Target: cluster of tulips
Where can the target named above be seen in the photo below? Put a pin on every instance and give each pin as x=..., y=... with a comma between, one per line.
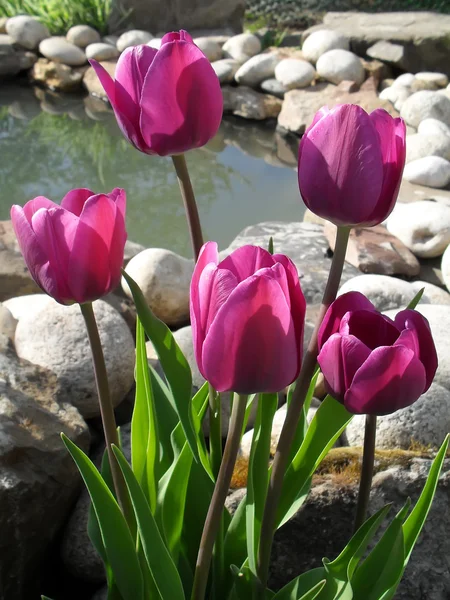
x=157, y=538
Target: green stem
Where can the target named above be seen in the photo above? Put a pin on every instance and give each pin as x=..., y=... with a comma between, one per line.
x=215, y=430
x=214, y=516
x=368, y=460
x=294, y=411
x=190, y=205
x=106, y=410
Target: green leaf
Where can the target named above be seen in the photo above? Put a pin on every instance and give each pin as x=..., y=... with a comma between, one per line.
x=174, y=364
x=144, y=431
x=258, y=473
x=302, y=426
x=306, y=586
x=270, y=245
x=246, y=585
x=119, y=545
x=159, y=560
x=327, y=425
x=417, y=298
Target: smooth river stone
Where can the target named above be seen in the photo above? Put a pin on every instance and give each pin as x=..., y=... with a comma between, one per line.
x=58, y=49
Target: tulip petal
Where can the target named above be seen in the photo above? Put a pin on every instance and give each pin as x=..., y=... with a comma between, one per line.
x=412, y=320
x=349, y=302
x=131, y=70
x=251, y=345
x=390, y=379
x=119, y=196
x=75, y=199
x=322, y=112
x=246, y=260
x=340, y=169
x=371, y=327
x=34, y=205
x=118, y=239
x=330, y=363
x=176, y=36
x=181, y=101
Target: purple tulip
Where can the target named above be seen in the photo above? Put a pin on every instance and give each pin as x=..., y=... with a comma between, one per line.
x=350, y=165
x=247, y=315
x=371, y=364
x=74, y=251
x=166, y=101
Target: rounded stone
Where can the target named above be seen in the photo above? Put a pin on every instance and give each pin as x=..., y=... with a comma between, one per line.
x=100, y=51
x=241, y=47
x=256, y=69
x=420, y=145
x=322, y=41
x=274, y=87
x=210, y=48
x=445, y=267
x=225, y=69
x=426, y=422
x=26, y=31
x=424, y=227
x=58, y=49
x=27, y=306
x=294, y=73
x=155, y=43
x=432, y=171
x=395, y=94
x=83, y=35
x=135, y=37
x=383, y=291
x=340, y=65
x=164, y=278
x=8, y=323
x=433, y=127
x=438, y=79
x=55, y=338
x=404, y=80
x=426, y=105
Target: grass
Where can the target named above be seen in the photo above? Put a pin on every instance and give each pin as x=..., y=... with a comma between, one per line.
x=60, y=15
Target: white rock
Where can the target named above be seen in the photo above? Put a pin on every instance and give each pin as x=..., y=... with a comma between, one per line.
x=439, y=79
x=155, y=43
x=427, y=422
x=433, y=127
x=274, y=87
x=424, y=227
x=294, y=73
x=420, y=145
x=210, y=48
x=242, y=47
x=101, y=51
x=26, y=31
x=110, y=39
x=60, y=50
x=322, y=41
x=8, y=323
x=55, y=338
x=394, y=94
x=24, y=306
x=225, y=69
x=426, y=105
x=445, y=267
x=433, y=293
x=164, y=278
x=384, y=292
x=256, y=69
x=433, y=171
x=340, y=65
x=135, y=37
x=404, y=80
x=82, y=36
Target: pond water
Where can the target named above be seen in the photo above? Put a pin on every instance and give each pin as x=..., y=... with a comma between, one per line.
x=51, y=143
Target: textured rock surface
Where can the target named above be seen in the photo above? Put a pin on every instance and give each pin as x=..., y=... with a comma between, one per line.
x=39, y=479
x=7, y=322
x=92, y=83
x=426, y=105
x=55, y=338
x=420, y=145
x=57, y=76
x=225, y=69
x=210, y=48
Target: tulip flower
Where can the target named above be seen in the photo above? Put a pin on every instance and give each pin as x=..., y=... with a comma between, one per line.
x=166, y=101
x=371, y=363
x=247, y=315
x=74, y=251
x=350, y=165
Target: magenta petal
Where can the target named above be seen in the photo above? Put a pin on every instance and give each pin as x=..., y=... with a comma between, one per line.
x=251, y=345
x=118, y=195
x=75, y=199
x=390, y=379
x=351, y=301
x=340, y=170
x=34, y=205
x=181, y=102
x=176, y=36
x=412, y=320
x=371, y=327
x=246, y=260
x=132, y=68
x=330, y=363
x=354, y=354
x=117, y=244
x=105, y=79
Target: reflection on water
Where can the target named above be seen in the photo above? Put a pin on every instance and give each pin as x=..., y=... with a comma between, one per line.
x=50, y=144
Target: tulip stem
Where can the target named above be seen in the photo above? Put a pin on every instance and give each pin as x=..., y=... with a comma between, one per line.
x=215, y=430
x=368, y=460
x=106, y=409
x=214, y=516
x=280, y=462
x=190, y=205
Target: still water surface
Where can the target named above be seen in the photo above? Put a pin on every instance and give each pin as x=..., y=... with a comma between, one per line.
x=50, y=144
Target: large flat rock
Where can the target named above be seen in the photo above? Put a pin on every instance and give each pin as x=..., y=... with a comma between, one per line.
x=424, y=35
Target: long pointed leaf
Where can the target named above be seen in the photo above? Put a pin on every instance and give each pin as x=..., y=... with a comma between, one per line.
x=304, y=584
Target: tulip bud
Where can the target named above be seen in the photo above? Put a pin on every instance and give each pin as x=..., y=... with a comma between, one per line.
x=166, y=101
x=371, y=364
x=74, y=252
x=247, y=315
x=350, y=165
